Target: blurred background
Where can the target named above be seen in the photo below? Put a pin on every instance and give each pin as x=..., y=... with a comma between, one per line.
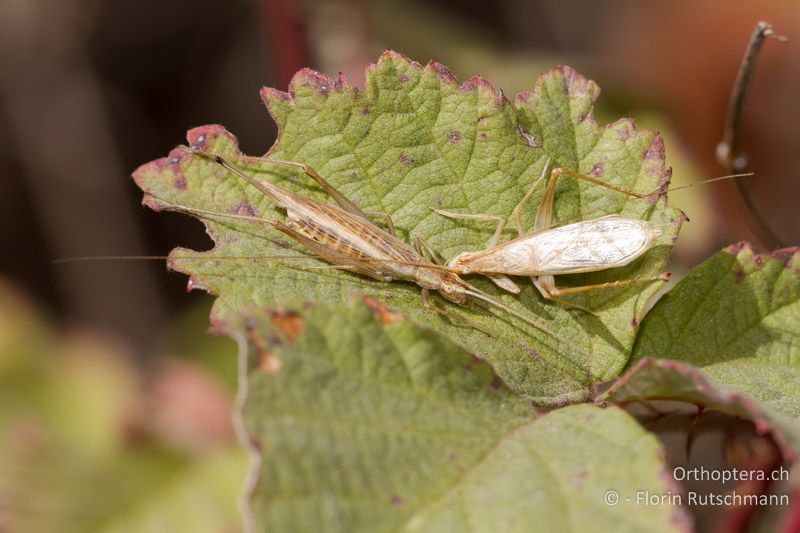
x=91, y=89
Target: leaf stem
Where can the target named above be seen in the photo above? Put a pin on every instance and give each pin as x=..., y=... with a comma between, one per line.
x=729, y=151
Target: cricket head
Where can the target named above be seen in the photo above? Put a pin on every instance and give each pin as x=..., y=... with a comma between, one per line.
x=453, y=288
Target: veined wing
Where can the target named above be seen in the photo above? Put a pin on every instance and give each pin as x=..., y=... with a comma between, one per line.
x=590, y=245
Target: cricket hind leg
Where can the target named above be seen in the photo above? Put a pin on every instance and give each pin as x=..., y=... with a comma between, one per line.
x=343, y=201
x=544, y=216
x=204, y=213
x=547, y=288
x=387, y=219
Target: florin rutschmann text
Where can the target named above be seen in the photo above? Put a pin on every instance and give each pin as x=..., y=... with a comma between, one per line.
x=694, y=498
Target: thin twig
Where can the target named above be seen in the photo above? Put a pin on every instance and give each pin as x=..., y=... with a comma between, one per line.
x=729, y=151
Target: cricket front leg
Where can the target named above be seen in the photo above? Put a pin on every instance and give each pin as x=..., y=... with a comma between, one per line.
x=427, y=303
x=425, y=250
x=500, y=220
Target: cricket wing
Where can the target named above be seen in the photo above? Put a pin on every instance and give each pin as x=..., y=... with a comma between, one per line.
x=352, y=263
x=591, y=245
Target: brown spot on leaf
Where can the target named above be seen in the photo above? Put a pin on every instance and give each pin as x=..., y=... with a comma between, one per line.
x=290, y=323
x=577, y=479
x=179, y=183
x=597, y=169
x=397, y=501
x=739, y=276
x=454, y=137
x=474, y=361
x=403, y=78
x=496, y=383
x=244, y=209
x=365, y=111
x=269, y=363
x=406, y=159
x=384, y=314
x=280, y=243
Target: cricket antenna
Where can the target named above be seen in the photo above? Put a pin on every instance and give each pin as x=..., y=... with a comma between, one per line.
x=479, y=294
x=711, y=180
x=109, y=258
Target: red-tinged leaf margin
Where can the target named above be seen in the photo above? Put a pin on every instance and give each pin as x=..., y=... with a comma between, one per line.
x=553, y=376
x=648, y=380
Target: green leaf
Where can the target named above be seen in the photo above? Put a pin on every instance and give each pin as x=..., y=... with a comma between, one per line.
x=659, y=379
x=74, y=456
x=365, y=421
x=196, y=497
x=413, y=140
x=737, y=317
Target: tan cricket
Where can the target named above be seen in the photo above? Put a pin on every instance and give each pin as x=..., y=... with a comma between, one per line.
x=585, y=246
x=348, y=239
